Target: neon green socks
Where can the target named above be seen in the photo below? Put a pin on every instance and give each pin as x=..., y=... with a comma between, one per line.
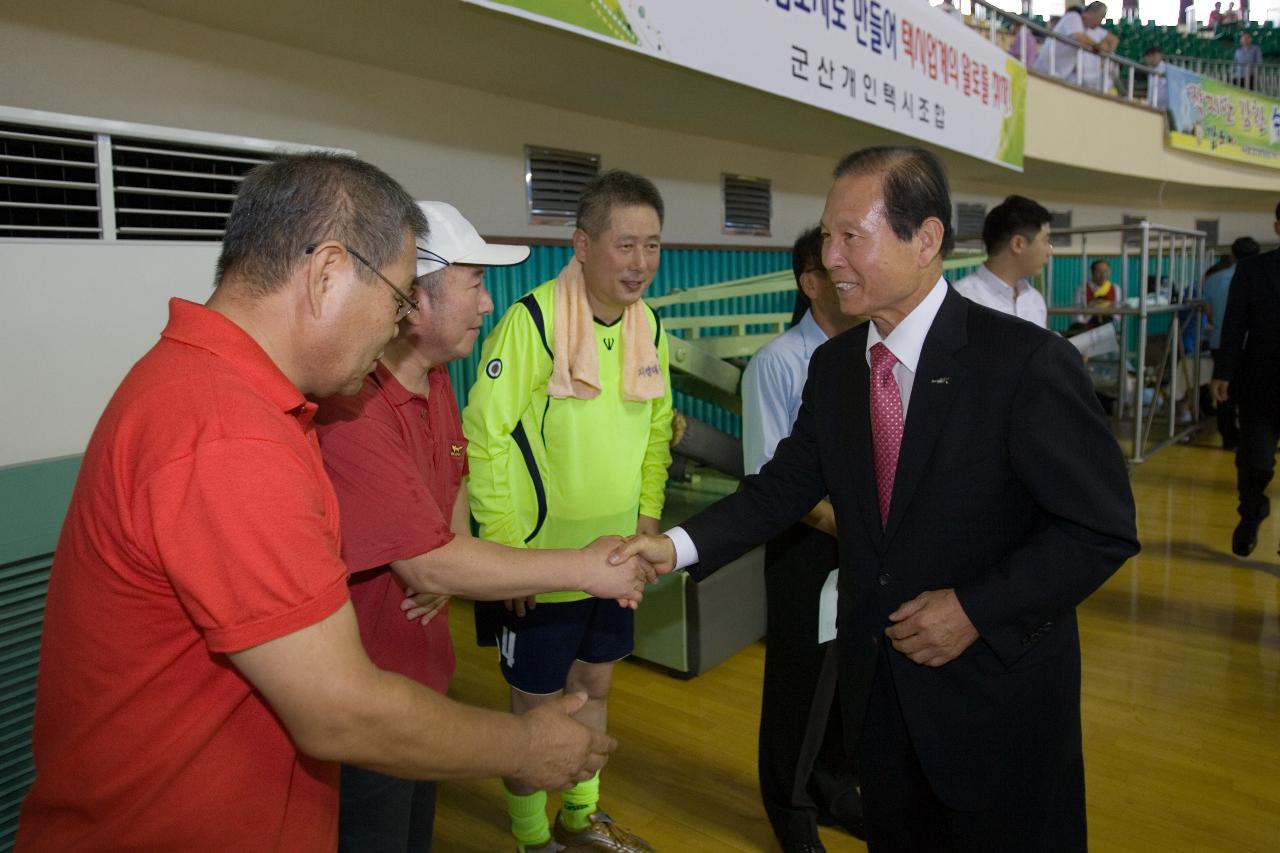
x=529, y=818
x=579, y=803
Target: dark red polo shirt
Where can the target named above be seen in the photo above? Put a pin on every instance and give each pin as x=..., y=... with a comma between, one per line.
x=202, y=523
x=396, y=460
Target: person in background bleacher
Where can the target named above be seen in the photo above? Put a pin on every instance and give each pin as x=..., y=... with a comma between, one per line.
x=1247, y=63
x=1216, y=287
x=1021, y=33
x=1231, y=16
x=1215, y=17
x=1157, y=84
x=1016, y=234
x=1083, y=26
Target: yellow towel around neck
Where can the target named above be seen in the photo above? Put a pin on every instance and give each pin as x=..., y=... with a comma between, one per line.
x=575, y=370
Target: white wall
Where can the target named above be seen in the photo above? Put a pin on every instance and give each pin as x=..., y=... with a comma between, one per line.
x=73, y=317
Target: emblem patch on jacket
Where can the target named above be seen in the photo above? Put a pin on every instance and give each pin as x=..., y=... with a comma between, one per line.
x=494, y=368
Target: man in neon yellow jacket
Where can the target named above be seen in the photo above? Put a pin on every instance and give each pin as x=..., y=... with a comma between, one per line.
x=569, y=427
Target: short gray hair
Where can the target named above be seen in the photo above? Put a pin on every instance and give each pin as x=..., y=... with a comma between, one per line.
x=429, y=284
x=298, y=200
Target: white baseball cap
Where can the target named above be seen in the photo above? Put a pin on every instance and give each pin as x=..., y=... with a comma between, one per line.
x=453, y=240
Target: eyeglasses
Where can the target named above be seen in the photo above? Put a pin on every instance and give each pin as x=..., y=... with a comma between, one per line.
x=405, y=304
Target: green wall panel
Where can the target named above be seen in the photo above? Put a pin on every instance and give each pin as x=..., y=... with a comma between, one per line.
x=33, y=501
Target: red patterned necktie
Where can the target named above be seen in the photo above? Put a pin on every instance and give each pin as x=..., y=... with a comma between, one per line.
x=886, y=424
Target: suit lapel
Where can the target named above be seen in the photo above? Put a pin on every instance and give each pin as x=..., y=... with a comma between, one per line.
x=938, y=379
x=855, y=420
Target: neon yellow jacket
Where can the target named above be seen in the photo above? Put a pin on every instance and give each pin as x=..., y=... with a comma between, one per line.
x=552, y=472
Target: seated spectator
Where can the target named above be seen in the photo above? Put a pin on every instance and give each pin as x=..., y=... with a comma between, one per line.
x=1099, y=290
x=1075, y=25
x=1247, y=63
x=1032, y=48
x=1215, y=17
x=1016, y=234
x=1157, y=85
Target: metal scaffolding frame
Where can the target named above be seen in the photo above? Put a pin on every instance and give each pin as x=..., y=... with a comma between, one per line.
x=1165, y=252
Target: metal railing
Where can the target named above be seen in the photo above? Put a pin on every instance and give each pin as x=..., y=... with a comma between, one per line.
x=1114, y=71
x=1172, y=255
x=1264, y=78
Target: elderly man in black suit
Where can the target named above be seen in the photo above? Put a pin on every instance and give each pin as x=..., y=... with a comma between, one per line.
x=1247, y=366
x=949, y=439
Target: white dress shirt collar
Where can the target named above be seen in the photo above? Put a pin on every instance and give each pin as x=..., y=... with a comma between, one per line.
x=998, y=286
x=812, y=333
x=907, y=338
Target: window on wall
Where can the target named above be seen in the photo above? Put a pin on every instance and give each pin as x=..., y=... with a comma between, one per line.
x=1061, y=219
x=747, y=204
x=554, y=179
x=969, y=220
x=74, y=177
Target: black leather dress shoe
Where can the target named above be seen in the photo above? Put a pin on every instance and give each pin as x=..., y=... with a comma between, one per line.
x=1245, y=537
x=846, y=812
x=804, y=847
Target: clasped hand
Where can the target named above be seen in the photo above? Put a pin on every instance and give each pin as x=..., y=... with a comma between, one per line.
x=931, y=629
x=606, y=572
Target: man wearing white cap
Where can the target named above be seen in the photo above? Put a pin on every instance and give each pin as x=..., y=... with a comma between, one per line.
x=396, y=457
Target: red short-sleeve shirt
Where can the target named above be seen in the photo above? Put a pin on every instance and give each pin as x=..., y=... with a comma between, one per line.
x=396, y=460
x=202, y=523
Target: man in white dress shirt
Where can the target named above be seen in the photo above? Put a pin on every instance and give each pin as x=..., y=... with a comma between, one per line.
x=805, y=778
x=1016, y=234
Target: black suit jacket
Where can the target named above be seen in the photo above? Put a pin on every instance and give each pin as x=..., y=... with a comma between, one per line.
x=1010, y=489
x=1249, y=354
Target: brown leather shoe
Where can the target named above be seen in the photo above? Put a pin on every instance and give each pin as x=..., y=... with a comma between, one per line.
x=601, y=834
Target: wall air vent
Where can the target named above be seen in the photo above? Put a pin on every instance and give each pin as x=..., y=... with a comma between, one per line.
x=748, y=205
x=969, y=220
x=74, y=177
x=1061, y=219
x=48, y=183
x=167, y=191
x=553, y=182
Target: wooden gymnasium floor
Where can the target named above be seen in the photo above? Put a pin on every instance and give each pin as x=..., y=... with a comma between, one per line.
x=1181, y=701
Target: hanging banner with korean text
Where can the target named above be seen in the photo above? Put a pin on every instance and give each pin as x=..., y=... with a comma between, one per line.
x=1219, y=120
x=897, y=64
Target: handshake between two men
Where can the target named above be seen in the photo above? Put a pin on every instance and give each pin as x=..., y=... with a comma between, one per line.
x=557, y=750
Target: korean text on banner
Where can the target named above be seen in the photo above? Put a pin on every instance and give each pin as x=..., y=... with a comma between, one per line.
x=896, y=64
x=1218, y=120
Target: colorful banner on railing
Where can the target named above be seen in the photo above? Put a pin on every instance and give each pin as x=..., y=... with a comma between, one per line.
x=1213, y=118
x=897, y=64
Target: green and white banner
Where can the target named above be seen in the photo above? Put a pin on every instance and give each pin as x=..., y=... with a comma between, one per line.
x=1213, y=118
x=897, y=64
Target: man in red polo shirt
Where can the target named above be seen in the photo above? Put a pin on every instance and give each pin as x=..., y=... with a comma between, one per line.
x=396, y=455
x=201, y=670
